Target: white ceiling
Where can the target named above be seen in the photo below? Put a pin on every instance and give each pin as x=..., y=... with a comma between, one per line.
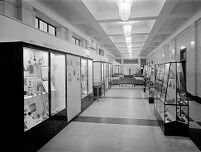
x=153, y=21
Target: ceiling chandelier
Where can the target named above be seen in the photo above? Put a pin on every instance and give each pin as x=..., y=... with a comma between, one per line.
x=127, y=30
x=125, y=13
x=124, y=9
x=128, y=40
x=129, y=46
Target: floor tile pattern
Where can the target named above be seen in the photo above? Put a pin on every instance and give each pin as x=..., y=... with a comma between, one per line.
x=121, y=104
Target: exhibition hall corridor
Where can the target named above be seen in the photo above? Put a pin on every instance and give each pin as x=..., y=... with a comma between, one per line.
x=121, y=121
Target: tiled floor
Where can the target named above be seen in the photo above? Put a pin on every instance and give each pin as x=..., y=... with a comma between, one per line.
x=105, y=136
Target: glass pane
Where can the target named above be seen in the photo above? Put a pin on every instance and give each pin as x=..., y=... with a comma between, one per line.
x=74, y=40
x=36, y=23
x=181, y=90
x=97, y=72
x=102, y=72
x=43, y=26
x=182, y=113
x=171, y=90
x=170, y=113
x=35, y=87
x=90, y=83
x=106, y=74
x=58, y=96
x=110, y=72
x=51, y=30
x=83, y=78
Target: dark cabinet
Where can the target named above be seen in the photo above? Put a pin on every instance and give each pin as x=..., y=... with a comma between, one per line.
x=34, y=77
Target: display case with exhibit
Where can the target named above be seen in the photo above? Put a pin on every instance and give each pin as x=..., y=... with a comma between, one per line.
x=35, y=77
x=84, y=78
x=171, y=102
x=110, y=75
x=58, y=82
x=106, y=75
x=149, y=82
x=98, y=73
x=86, y=83
x=117, y=69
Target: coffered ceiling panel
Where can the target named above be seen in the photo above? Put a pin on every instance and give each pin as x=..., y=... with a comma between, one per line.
x=153, y=21
x=116, y=28
x=108, y=9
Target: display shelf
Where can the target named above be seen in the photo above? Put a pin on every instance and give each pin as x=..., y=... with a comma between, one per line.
x=171, y=102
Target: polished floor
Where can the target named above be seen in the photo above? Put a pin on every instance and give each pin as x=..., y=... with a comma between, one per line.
x=122, y=121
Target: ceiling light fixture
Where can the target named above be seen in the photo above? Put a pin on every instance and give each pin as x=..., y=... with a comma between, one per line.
x=128, y=40
x=124, y=9
x=127, y=30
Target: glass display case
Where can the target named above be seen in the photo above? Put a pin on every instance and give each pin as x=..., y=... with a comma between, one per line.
x=117, y=69
x=84, y=78
x=30, y=77
x=149, y=75
x=102, y=72
x=98, y=87
x=90, y=79
x=87, y=96
x=97, y=71
x=106, y=75
x=58, y=81
x=36, y=101
x=110, y=75
x=171, y=102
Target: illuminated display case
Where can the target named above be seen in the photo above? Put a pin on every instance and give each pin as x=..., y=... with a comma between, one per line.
x=84, y=78
x=110, y=75
x=34, y=83
x=86, y=70
x=98, y=72
x=149, y=74
x=106, y=75
x=58, y=81
x=36, y=100
x=171, y=102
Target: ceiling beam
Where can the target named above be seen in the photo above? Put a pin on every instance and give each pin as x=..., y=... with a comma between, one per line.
x=130, y=19
x=122, y=42
x=131, y=35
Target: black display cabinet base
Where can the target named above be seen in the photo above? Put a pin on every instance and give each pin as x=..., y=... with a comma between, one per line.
x=39, y=135
x=110, y=85
x=87, y=101
x=174, y=128
x=151, y=100
x=95, y=91
x=195, y=136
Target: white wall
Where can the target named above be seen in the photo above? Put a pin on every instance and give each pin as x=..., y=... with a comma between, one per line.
x=187, y=36
x=198, y=60
x=184, y=40
x=133, y=67
x=13, y=30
